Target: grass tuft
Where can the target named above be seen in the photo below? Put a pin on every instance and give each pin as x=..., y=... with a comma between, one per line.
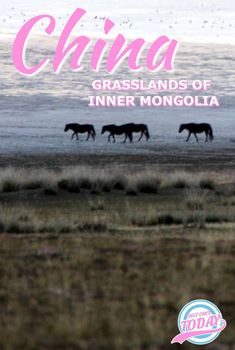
x=150, y=186
x=207, y=184
x=50, y=191
x=9, y=185
x=120, y=182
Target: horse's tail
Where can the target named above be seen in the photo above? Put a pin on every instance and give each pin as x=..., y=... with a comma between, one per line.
x=147, y=132
x=211, y=136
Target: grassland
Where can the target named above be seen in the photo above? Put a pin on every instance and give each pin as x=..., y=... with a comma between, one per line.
x=100, y=259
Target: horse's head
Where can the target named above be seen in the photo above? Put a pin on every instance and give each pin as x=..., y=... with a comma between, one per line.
x=181, y=128
x=108, y=128
x=66, y=128
x=103, y=130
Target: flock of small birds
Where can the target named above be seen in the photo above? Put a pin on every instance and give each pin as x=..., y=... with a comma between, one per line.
x=216, y=24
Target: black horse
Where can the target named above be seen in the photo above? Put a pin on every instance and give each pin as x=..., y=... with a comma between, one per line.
x=142, y=128
x=117, y=130
x=197, y=129
x=81, y=129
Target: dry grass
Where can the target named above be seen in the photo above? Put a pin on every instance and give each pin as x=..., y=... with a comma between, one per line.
x=93, y=200
x=12, y=179
x=22, y=220
x=84, y=212
x=83, y=292
x=114, y=281
x=75, y=179
x=195, y=199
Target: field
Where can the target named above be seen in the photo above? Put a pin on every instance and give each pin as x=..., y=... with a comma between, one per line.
x=119, y=291
x=96, y=257
x=103, y=243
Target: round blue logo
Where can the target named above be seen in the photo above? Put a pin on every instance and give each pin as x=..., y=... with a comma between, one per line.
x=200, y=322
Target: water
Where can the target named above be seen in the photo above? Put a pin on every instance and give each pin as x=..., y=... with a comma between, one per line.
x=34, y=110
x=210, y=21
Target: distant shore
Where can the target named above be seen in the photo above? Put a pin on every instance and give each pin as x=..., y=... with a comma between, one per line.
x=170, y=158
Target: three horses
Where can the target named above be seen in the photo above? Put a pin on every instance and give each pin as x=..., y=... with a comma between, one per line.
x=126, y=129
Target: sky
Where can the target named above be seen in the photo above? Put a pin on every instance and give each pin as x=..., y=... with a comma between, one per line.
x=189, y=20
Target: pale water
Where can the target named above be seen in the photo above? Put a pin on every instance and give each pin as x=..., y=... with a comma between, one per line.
x=34, y=110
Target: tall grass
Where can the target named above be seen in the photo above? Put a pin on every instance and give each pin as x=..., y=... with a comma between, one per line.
x=23, y=219
x=195, y=199
x=75, y=179
x=14, y=179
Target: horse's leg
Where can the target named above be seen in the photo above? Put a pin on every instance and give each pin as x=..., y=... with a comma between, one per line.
x=88, y=136
x=141, y=136
x=125, y=139
x=109, y=137
x=114, y=140
x=206, y=136
x=195, y=136
x=189, y=134
x=77, y=137
x=72, y=135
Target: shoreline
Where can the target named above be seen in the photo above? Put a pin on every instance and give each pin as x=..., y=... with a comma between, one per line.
x=169, y=159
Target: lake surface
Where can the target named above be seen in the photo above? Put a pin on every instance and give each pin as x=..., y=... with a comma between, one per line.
x=34, y=110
